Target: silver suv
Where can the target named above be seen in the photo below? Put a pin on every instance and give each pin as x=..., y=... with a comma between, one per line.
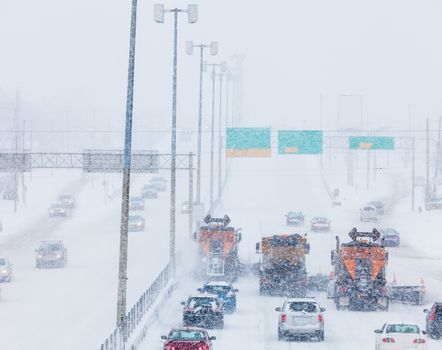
x=51, y=254
x=300, y=317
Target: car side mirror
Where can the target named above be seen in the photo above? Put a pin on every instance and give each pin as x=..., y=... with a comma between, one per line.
x=323, y=309
x=426, y=311
x=199, y=290
x=183, y=303
x=424, y=332
x=278, y=309
x=212, y=337
x=236, y=290
x=257, y=248
x=163, y=337
x=378, y=331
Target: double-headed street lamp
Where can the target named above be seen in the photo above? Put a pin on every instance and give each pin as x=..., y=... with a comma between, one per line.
x=192, y=17
x=223, y=68
x=213, y=51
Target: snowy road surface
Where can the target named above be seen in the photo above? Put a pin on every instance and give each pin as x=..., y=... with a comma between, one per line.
x=258, y=195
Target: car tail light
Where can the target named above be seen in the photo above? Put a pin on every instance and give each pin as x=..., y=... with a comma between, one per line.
x=432, y=315
x=419, y=341
x=283, y=318
x=170, y=347
x=320, y=318
x=203, y=347
x=388, y=340
x=188, y=309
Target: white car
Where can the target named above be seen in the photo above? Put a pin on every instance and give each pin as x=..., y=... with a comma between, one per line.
x=369, y=213
x=394, y=336
x=300, y=317
x=5, y=270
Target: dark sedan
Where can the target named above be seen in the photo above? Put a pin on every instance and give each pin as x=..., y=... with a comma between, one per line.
x=203, y=311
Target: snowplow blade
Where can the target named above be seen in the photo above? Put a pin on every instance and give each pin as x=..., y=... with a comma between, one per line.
x=407, y=294
x=317, y=283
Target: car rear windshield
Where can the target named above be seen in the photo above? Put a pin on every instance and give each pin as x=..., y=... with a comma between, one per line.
x=369, y=209
x=300, y=306
x=403, y=328
x=195, y=302
x=218, y=289
x=2, y=262
x=186, y=335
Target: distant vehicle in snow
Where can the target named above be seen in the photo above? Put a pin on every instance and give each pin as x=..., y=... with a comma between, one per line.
x=158, y=184
x=295, y=218
x=380, y=207
x=225, y=291
x=149, y=191
x=433, y=202
x=57, y=209
x=136, y=203
x=369, y=213
x=204, y=311
x=188, y=338
x=390, y=237
x=66, y=200
x=320, y=224
x=300, y=317
x=136, y=223
x=51, y=254
x=185, y=207
x=434, y=321
x=400, y=336
x=5, y=269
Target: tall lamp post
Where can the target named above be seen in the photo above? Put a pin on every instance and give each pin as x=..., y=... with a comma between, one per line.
x=122, y=266
x=228, y=80
x=213, y=51
x=192, y=17
x=223, y=67
x=220, y=141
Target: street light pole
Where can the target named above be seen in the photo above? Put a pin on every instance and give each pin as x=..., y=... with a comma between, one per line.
x=122, y=269
x=220, y=141
x=212, y=129
x=213, y=51
x=192, y=12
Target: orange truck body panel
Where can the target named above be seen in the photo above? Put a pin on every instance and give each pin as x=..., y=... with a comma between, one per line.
x=377, y=255
x=227, y=236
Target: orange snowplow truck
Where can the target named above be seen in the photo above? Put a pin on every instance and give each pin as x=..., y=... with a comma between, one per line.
x=218, y=248
x=360, y=272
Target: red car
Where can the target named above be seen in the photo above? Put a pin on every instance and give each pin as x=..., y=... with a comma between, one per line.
x=187, y=338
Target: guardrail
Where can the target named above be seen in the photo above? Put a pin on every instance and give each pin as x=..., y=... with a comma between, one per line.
x=118, y=339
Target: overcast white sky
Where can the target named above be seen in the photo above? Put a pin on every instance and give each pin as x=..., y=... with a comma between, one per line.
x=69, y=59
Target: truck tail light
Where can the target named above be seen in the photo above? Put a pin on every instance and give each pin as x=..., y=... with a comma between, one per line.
x=283, y=318
x=320, y=318
x=388, y=340
x=432, y=315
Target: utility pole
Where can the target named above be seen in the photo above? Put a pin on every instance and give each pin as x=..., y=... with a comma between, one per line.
x=436, y=170
x=428, y=157
x=413, y=172
x=122, y=269
x=368, y=170
x=213, y=51
x=190, y=194
x=192, y=17
x=16, y=117
x=220, y=142
x=22, y=175
x=222, y=66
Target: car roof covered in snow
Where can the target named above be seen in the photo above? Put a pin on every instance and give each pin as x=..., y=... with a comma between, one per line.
x=218, y=283
x=301, y=300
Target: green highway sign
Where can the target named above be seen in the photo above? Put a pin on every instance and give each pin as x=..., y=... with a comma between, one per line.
x=371, y=142
x=248, y=142
x=299, y=142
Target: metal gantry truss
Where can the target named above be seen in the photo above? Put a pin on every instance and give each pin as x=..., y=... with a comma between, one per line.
x=89, y=161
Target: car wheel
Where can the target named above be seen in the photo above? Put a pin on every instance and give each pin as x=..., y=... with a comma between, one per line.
x=320, y=335
x=280, y=335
